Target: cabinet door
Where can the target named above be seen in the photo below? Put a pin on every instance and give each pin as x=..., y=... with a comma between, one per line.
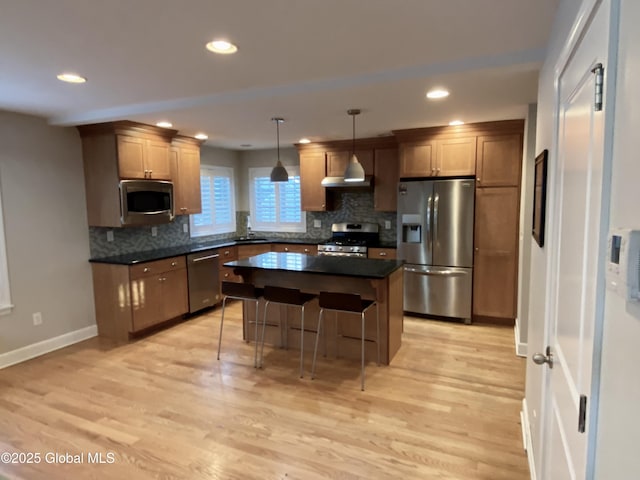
x=337, y=162
x=157, y=159
x=416, y=159
x=495, y=272
x=312, y=171
x=146, y=301
x=385, y=185
x=175, y=296
x=499, y=160
x=131, y=157
x=456, y=156
x=185, y=171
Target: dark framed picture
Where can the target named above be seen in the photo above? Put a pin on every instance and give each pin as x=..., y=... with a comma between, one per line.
x=540, y=196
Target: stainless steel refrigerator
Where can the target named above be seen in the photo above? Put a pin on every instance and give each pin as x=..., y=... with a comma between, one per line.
x=435, y=239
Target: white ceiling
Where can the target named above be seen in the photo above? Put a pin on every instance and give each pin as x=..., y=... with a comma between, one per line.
x=305, y=60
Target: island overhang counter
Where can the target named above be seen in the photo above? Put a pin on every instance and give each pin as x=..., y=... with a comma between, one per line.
x=379, y=280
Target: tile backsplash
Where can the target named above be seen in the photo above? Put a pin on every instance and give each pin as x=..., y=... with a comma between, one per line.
x=350, y=207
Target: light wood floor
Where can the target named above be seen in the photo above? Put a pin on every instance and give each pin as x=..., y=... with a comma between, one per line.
x=447, y=408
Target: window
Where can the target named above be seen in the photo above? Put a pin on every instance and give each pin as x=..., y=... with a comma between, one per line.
x=218, y=203
x=275, y=206
x=5, y=292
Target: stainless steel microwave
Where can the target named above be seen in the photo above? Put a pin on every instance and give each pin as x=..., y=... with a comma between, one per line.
x=146, y=202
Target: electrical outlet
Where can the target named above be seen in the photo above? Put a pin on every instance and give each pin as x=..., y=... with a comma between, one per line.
x=185, y=228
x=317, y=224
x=154, y=231
x=387, y=224
x=109, y=235
x=37, y=319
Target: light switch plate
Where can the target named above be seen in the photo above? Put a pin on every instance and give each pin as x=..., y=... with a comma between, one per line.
x=387, y=224
x=185, y=228
x=317, y=224
x=109, y=235
x=154, y=231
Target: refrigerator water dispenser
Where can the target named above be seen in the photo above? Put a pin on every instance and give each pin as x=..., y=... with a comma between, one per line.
x=411, y=233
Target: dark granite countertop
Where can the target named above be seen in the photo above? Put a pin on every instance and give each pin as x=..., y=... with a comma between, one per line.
x=159, y=254
x=325, y=265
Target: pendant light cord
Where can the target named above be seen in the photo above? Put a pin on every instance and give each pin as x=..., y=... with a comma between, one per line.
x=353, y=144
x=278, y=136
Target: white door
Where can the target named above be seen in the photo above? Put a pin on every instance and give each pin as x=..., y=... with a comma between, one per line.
x=576, y=246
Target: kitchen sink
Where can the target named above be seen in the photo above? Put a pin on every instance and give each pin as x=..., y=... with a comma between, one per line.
x=249, y=239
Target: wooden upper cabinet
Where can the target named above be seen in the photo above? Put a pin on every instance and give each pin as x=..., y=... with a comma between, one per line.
x=438, y=157
x=185, y=171
x=455, y=156
x=337, y=162
x=140, y=157
x=312, y=170
x=417, y=159
x=499, y=160
x=385, y=187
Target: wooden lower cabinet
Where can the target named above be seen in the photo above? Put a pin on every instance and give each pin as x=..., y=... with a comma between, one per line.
x=382, y=253
x=246, y=251
x=132, y=298
x=495, y=269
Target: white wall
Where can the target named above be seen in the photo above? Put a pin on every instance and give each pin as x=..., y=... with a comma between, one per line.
x=43, y=198
x=619, y=420
x=565, y=16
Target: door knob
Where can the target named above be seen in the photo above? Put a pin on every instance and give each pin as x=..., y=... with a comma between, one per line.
x=541, y=358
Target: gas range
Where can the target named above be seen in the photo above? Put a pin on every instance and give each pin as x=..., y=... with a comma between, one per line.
x=350, y=239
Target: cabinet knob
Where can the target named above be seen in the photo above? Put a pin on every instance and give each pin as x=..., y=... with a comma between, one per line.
x=478, y=179
x=184, y=209
x=323, y=205
x=173, y=264
x=438, y=170
x=286, y=249
x=146, y=269
x=226, y=275
x=306, y=250
x=383, y=254
x=226, y=253
x=477, y=249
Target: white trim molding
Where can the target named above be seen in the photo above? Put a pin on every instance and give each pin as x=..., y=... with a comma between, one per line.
x=521, y=347
x=36, y=349
x=526, y=438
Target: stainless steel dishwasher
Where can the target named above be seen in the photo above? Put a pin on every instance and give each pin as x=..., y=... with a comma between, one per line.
x=204, y=282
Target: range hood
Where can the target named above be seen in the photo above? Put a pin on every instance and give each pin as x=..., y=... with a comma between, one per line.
x=339, y=182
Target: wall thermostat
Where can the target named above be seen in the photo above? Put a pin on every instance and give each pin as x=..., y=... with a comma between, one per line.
x=623, y=263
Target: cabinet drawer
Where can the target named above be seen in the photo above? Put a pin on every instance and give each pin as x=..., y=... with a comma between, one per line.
x=227, y=275
x=152, y=268
x=382, y=253
x=228, y=254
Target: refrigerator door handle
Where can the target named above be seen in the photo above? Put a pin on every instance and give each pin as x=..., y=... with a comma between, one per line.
x=435, y=216
x=429, y=226
x=444, y=273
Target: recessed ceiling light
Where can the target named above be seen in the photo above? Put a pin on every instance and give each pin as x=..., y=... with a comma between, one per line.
x=201, y=136
x=222, y=46
x=454, y=123
x=71, y=78
x=437, y=93
x=304, y=140
x=164, y=124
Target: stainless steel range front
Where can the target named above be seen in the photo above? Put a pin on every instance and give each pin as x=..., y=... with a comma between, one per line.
x=350, y=239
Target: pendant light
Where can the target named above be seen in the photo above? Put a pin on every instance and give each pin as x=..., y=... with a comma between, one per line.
x=279, y=173
x=354, y=171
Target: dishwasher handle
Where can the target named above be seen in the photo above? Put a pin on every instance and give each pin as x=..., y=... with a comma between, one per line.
x=444, y=273
x=202, y=259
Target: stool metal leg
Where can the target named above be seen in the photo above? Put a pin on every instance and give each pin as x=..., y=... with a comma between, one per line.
x=302, y=341
x=264, y=324
x=378, y=331
x=255, y=338
x=315, y=350
x=224, y=302
x=362, y=355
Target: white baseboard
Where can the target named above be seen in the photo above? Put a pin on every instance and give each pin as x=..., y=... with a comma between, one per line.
x=36, y=349
x=521, y=347
x=526, y=438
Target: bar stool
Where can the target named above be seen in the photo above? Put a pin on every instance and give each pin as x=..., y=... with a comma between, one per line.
x=290, y=297
x=240, y=291
x=346, y=303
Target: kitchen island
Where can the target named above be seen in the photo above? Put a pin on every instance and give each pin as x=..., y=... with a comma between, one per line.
x=379, y=280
